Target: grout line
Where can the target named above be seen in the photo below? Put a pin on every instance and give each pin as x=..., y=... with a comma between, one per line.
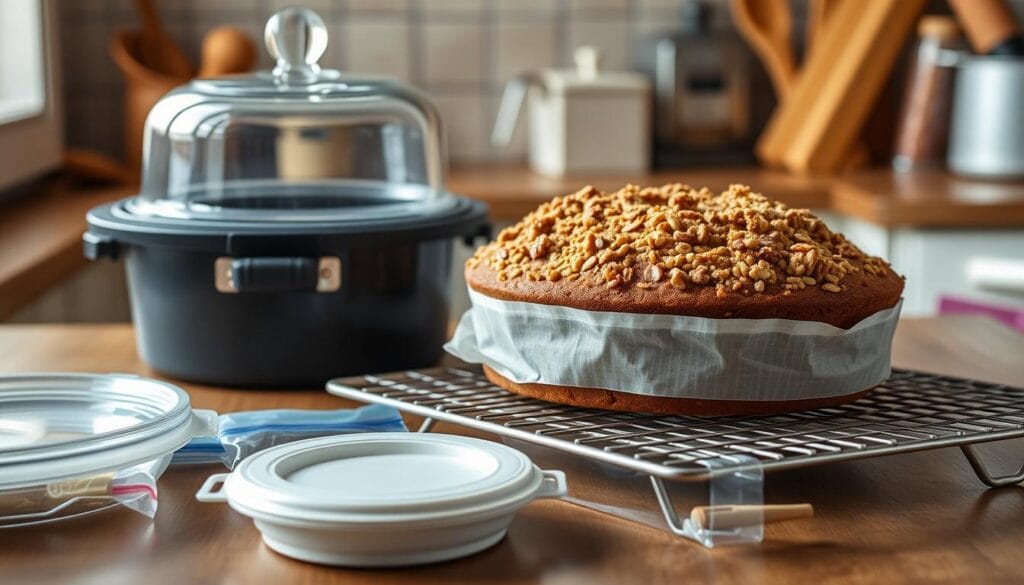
x=341, y=13
x=417, y=44
x=563, y=44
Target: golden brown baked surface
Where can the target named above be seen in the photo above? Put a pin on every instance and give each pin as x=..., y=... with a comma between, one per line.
x=611, y=400
x=677, y=250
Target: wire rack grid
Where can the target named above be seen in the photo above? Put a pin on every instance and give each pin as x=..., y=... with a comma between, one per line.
x=911, y=411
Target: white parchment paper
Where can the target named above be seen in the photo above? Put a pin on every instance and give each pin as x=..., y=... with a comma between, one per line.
x=674, y=356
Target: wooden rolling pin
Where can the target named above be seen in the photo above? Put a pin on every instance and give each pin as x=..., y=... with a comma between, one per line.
x=728, y=517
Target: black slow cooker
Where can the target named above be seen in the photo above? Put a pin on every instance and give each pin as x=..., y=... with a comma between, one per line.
x=292, y=225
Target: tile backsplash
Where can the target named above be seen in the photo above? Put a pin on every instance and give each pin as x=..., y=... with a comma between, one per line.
x=460, y=51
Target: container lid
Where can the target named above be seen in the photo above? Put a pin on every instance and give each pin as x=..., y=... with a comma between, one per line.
x=589, y=77
x=379, y=478
x=61, y=426
x=296, y=143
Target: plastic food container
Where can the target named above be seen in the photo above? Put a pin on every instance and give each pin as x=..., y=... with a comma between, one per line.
x=292, y=225
x=77, y=443
x=383, y=499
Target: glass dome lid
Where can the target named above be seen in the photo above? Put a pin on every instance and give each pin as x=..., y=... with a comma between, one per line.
x=298, y=143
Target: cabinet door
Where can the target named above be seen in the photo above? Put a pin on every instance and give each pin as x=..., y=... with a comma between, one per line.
x=936, y=263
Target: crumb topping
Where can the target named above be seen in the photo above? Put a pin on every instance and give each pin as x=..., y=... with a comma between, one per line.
x=676, y=236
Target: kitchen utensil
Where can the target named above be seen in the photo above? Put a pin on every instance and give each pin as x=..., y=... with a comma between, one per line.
x=155, y=49
x=986, y=138
x=705, y=84
x=818, y=12
x=727, y=517
x=226, y=50
x=143, y=87
x=383, y=499
x=768, y=25
x=991, y=27
x=291, y=226
x=613, y=460
x=75, y=443
x=814, y=129
x=923, y=131
x=575, y=113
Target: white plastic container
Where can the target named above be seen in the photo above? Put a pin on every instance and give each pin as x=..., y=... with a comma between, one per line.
x=383, y=499
x=75, y=443
x=581, y=120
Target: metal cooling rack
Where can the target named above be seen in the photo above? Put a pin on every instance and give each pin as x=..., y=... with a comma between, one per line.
x=911, y=411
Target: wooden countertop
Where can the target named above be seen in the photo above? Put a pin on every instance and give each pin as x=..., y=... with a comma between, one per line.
x=41, y=239
x=921, y=517
x=930, y=199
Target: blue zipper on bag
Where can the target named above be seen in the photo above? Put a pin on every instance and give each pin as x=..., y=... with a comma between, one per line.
x=240, y=433
x=361, y=426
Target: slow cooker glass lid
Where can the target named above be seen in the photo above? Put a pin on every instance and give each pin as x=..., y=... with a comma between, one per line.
x=294, y=143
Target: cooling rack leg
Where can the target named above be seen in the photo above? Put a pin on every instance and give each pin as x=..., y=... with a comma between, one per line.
x=426, y=425
x=974, y=458
x=675, y=524
x=734, y=514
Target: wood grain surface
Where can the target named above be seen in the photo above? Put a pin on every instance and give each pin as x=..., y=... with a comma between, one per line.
x=914, y=518
x=41, y=241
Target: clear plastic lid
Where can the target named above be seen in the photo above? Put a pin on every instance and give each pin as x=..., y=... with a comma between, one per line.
x=75, y=443
x=295, y=143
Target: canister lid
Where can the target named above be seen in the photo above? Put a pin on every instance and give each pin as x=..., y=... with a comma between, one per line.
x=381, y=478
x=589, y=77
x=60, y=426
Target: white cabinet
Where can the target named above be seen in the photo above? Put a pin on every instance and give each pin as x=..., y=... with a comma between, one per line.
x=937, y=262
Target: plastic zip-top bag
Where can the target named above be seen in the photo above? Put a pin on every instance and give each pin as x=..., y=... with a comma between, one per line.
x=240, y=434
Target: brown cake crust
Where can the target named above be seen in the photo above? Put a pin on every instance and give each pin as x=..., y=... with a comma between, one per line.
x=680, y=251
x=865, y=295
x=625, y=401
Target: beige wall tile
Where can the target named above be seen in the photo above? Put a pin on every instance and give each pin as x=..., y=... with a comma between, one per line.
x=431, y=8
x=377, y=46
x=523, y=46
x=602, y=5
x=378, y=5
x=452, y=53
x=547, y=7
x=321, y=7
x=463, y=118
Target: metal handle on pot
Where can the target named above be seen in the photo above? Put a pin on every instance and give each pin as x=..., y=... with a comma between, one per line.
x=277, y=274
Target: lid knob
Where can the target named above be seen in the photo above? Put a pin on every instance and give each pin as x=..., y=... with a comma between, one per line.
x=296, y=38
x=588, y=61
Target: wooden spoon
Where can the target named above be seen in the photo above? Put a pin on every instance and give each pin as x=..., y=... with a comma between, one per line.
x=156, y=50
x=817, y=13
x=767, y=26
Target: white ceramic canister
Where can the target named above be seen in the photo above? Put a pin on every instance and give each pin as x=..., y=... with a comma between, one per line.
x=383, y=499
x=582, y=120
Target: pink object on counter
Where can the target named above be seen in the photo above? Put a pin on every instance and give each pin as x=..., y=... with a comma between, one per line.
x=1014, y=317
